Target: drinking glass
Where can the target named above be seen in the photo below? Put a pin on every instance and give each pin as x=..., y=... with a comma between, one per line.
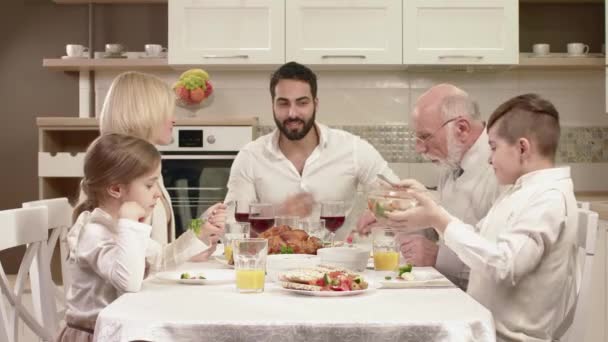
x=234, y=231
x=385, y=249
x=334, y=215
x=261, y=216
x=250, y=264
x=289, y=221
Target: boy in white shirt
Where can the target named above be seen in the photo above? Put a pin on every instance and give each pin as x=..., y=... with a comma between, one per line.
x=523, y=254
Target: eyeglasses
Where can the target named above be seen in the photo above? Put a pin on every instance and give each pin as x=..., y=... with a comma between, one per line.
x=427, y=137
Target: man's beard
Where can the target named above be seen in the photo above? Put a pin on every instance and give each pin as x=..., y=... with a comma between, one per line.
x=454, y=153
x=295, y=134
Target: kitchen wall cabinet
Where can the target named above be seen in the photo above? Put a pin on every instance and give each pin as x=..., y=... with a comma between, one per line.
x=460, y=32
x=205, y=32
x=344, y=32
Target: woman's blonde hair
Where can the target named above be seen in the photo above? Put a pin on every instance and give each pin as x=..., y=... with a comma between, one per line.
x=114, y=159
x=137, y=104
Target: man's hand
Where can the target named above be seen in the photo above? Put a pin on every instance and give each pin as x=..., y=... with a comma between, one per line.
x=418, y=250
x=365, y=223
x=213, y=227
x=297, y=205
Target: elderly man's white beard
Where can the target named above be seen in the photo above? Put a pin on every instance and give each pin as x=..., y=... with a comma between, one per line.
x=454, y=155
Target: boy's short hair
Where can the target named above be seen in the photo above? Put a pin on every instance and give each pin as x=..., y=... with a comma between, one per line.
x=528, y=116
x=294, y=71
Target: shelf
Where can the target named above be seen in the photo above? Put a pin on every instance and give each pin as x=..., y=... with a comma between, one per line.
x=83, y=64
x=562, y=61
x=62, y=123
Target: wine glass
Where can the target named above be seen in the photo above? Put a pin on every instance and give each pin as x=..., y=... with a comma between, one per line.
x=261, y=216
x=241, y=211
x=334, y=215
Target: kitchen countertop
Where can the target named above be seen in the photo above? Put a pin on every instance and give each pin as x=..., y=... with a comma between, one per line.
x=204, y=120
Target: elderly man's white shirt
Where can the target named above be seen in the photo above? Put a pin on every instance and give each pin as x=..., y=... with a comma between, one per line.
x=339, y=164
x=467, y=197
x=523, y=255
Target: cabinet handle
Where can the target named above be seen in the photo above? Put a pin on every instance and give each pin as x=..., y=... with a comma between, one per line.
x=228, y=56
x=343, y=56
x=459, y=56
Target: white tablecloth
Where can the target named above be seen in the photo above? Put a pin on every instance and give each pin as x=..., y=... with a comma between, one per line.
x=174, y=312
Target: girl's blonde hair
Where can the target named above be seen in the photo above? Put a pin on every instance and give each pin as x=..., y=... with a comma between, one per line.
x=114, y=159
x=137, y=104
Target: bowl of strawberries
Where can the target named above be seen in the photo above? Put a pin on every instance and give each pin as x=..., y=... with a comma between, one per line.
x=193, y=89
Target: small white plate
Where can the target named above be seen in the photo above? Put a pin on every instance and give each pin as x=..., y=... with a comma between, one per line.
x=153, y=57
x=422, y=278
x=212, y=277
x=74, y=57
x=370, y=288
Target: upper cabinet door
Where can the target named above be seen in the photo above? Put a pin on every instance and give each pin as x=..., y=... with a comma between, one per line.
x=226, y=31
x=460, y=32
x=344, y=31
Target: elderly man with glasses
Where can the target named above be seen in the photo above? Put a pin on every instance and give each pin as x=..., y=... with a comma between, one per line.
x=449, y=133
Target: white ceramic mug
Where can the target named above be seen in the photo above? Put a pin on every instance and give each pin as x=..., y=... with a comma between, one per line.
x=578, y=49
x=541, y=49
x=154, y=50
x=75, y=50
x=114, y=49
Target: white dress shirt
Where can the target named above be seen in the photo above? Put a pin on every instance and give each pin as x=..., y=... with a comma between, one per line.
x=109, y=257
x=339, y=164
x=523, y=255
x=468, y=197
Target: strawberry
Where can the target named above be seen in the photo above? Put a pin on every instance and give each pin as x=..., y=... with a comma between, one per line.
x=197, y=95
x=208, y=89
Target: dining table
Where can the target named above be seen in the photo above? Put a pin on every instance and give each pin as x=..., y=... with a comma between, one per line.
x=166, y=310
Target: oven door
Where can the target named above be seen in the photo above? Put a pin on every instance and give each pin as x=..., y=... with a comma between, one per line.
x=194, y=183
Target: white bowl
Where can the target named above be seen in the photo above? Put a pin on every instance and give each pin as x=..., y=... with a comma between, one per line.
x=279, y=263
x=353, y=258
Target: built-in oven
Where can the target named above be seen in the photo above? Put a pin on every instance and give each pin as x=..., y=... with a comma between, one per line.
x=196, y=167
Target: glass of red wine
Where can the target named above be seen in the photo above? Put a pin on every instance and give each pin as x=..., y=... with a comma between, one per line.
x=241, y=211
x=261, y=216
x=334, y=215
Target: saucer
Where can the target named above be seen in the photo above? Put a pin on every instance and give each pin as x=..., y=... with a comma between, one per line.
x=577, y=55
x=112, y=55
x=74, y=57
x=153, y=57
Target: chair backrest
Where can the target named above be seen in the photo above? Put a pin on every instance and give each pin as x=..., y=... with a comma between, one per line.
x=19, y=227
x=60, y=220
x=583, y=205
x=587, y=234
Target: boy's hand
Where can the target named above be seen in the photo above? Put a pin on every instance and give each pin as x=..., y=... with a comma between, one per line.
x=132, y=211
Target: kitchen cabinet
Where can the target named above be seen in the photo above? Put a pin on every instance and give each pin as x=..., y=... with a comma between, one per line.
x=344, y=32
x=203, y=32
x=466, y=32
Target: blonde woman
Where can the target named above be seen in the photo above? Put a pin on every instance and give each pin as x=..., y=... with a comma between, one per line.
x=143, y=106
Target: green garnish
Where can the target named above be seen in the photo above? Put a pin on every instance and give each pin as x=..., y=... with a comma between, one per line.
x=380, y=210
x=326, y=279
x=185, y=276
x=286, y=250
x=358, y=280
x=405, y=269
x=196, y=225
x=388, y=278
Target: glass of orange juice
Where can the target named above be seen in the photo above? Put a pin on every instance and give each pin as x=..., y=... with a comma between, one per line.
x=250, y=264
x=232, y=231
x=385, y=249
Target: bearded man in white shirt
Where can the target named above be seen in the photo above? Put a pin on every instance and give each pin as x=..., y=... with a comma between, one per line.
x=449, y=133
x=303, y=161
x=523, y=254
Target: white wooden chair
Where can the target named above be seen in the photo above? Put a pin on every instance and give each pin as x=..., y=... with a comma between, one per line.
x=19, y=227
x=60, y=220
x=587, y=233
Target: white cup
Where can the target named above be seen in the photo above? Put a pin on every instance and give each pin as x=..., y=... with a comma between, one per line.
x=114, y=49
x=578, y=49
x=541, y=49
x=154, y=50
x=75, y=50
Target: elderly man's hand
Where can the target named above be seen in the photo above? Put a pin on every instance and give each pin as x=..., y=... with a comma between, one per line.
x=365, y=223
x=418, y=250
x=411, y=184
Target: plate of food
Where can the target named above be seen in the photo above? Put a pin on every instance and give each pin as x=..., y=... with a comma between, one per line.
x=204, y=277
x=408, y=277
x=324, y=281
